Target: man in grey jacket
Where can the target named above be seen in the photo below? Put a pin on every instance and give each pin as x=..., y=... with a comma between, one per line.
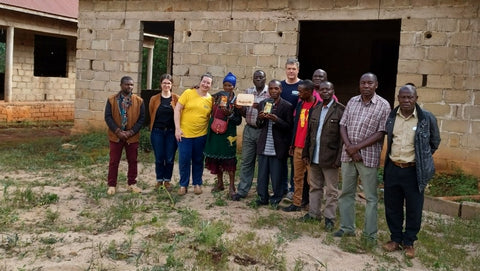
x=323, y=137
x=412, y=138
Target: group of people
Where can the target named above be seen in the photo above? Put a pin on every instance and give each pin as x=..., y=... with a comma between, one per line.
x=294, y=120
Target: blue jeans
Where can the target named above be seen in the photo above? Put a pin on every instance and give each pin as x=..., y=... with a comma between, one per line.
x=190, y=155
x=164, y=147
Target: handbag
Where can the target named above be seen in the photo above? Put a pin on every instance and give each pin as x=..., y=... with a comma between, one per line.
x=219, y=126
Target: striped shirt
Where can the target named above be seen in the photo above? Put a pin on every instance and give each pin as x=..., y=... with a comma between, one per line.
x=269, y=144
x=362, y=120
x=252, y=113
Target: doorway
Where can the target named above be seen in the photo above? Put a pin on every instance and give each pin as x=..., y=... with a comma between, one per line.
x=157, y=41
x=348, y=49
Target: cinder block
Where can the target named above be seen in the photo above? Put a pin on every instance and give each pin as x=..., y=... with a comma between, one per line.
x=265, y=25
x=263, y=49
x=470, y=210
x=440, y=81
x=432, y=67
x=457, y=96
x=437, y=38
x=407, y=52
x=272, y=37
x=456, y=126
x=439, y=110
x=461, y=39
x=429, y=95
x=440, y=53
x=444, y=24
x=231, y=36
x=441, y=206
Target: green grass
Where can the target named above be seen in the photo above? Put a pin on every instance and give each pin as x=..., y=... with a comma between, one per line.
x=161, y=231
x=454, y=184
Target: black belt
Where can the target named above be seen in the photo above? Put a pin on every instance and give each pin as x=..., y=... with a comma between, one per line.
x=404, y=165
x=253, y=127
x=163, y=129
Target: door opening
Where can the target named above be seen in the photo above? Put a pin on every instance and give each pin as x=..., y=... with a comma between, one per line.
x=348, y=49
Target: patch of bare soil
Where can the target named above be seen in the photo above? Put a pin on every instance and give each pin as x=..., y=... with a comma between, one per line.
x=76, y=245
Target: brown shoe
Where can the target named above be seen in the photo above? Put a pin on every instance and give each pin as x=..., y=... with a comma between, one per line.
x=158, y=185
x=134, y=188
x=182, y=191
x=167, y=186
x=391, y=246
x=409, y=251
x=197, y=189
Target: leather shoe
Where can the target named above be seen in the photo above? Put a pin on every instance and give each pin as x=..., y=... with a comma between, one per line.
x=307, y=217
x=167, y=186
x=391, y=246
x=197, y=189
x=134, y=189
x=329, y=224
x=182, y=191
x=259, y=202
x=409, y=251
x=236, y=197
x=291, y=208
x=341, y=233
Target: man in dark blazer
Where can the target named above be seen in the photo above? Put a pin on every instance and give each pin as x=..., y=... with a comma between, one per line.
x=323, y=137
x=275, y=118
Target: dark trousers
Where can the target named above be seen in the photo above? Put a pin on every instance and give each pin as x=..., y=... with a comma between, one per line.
x=164, y=147
x=131, y=151
x=401, y=188
x=270, y=168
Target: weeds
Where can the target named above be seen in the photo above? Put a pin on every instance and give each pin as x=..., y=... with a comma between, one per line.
x=151, y=232
x=456, y=184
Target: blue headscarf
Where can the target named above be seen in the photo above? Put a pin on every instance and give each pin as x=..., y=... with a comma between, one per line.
x=231, y=78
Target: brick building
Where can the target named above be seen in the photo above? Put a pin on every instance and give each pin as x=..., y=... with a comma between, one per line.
x=434, y=44
x=37, y=80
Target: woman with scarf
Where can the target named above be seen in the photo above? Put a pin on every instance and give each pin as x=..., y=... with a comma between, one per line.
x=221, y=147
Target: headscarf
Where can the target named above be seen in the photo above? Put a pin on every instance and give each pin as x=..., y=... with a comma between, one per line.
x=231, y=78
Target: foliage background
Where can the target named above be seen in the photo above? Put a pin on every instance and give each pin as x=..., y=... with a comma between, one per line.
x=160, y=54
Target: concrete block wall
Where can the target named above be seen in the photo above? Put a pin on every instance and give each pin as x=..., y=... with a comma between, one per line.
x=28, y=88
x=439, y=52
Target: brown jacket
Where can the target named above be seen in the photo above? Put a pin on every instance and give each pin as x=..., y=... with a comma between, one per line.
x=330, y=139
x=155, y=103
x=135, y=113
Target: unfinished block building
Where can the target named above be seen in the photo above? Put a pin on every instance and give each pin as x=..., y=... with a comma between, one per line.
x=434, y=44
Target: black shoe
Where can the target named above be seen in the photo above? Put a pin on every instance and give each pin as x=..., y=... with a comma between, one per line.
x=236, y=197
x=307, y=217
x=291, y=208
x=259, y=202
x=341, y=233
x=329, y=224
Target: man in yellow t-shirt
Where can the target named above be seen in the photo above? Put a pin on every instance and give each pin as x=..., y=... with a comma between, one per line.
x=191, y=116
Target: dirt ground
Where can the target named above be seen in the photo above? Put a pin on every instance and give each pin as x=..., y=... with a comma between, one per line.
x=80, y=250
